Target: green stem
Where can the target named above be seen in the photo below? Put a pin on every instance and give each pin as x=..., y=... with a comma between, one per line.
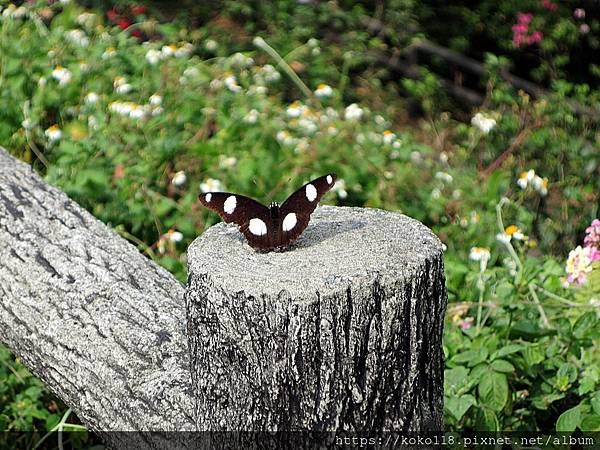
x=481, y=287
x=558, y=297
x=545, y=320
x=508, y=245
x=262, y=44
x=59, y=427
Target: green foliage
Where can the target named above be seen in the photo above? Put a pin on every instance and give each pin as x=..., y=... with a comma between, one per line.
x=145, y=126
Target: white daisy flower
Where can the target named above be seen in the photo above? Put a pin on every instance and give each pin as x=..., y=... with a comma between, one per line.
x=324, y=90
x=484, y=123
x=153, y=56
x=179, y=178
x=91, y=98
x=53, y=133
x=353, y=112
x=62, y=75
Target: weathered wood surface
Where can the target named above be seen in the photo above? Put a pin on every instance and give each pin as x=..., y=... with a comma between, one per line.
x=100, y=324
x=342, y=332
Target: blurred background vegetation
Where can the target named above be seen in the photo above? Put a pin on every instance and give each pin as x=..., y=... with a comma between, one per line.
x=478, y=118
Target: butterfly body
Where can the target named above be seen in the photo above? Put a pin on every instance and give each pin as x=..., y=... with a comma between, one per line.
x=274, y=227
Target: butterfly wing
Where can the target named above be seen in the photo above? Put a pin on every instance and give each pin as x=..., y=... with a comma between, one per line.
x=252, y=217
x=296, y=210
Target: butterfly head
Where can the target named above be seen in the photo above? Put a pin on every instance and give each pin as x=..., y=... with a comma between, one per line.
x=274, y=210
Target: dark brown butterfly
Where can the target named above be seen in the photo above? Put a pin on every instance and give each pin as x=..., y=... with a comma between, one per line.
x=273, y=227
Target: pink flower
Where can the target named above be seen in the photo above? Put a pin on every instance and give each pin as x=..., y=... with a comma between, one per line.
x=518, y=40
x=579, y=13
x=520, y=28
x=524, y=19
x=593, y=254
x=579, y=264
x=549, y=5
x=535, y=38
x=467, y=323
x=584, y=28
x=592, y=235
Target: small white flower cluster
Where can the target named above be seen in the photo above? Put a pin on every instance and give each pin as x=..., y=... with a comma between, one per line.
x=353, y=112
x=62, y=75
x=211, y=185
x=484, y=123
x=324, y=91
x=529, y=178
x=251, y=117
x=211, y=45
x=340, y=188
x=285, y=138
x=127, y=109
x=444, y=176
x=314, y=46
x=86, y=19
x=109, y=53
x=511, y=232
x=53, y=133
x=241, y=61
x=154, y=56
x=296, y=109
x=188, y=75
x=135, y=111
x=482, y=255
x=389, y=138
x=91, y=98
x=231, y=83
x=179, y=178
x=14, y=12
x=77, y=37
x=121, y=85
x=227, y=162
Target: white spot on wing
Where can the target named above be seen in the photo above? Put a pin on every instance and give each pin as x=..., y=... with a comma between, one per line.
x=289, y=222
x=207, y=197
x=329, y=179
x=311, y=192
x=257, y=227
x=229, y=205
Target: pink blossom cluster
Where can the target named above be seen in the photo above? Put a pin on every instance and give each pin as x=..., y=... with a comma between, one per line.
x=592, y=235
x=521, y=34
x=580, y=260
x=549, y=5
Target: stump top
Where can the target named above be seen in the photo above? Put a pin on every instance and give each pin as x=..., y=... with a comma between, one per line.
x=339, y=246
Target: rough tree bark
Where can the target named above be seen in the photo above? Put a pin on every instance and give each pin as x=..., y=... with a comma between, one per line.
x=342, y=332
x=100, y=324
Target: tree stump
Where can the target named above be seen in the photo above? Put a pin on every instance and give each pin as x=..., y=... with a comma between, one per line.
x=341, y=332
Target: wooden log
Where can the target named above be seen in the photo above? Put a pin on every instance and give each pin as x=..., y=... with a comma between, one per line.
x=341, y=332
x=100, y=324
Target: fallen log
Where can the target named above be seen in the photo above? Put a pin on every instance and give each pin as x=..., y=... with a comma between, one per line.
x=100, y=324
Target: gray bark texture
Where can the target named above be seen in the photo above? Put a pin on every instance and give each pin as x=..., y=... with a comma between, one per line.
x=100, y=324
x=343, y=331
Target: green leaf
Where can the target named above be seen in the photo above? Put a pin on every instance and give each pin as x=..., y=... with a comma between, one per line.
x=595, y=402
x=590, y=423
x=455, y=379
x=584, y=324
x=569, y=371
x=501, y=365
x=569, y=420
x=533, y=355
x=487, y=420
x=528, y=329
x=507, y=350
x=493, y=390
x=458, y=406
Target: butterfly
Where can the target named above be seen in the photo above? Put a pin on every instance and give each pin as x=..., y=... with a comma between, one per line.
x=273, y=227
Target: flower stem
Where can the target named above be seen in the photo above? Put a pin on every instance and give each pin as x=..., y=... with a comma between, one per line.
x=262, y=44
